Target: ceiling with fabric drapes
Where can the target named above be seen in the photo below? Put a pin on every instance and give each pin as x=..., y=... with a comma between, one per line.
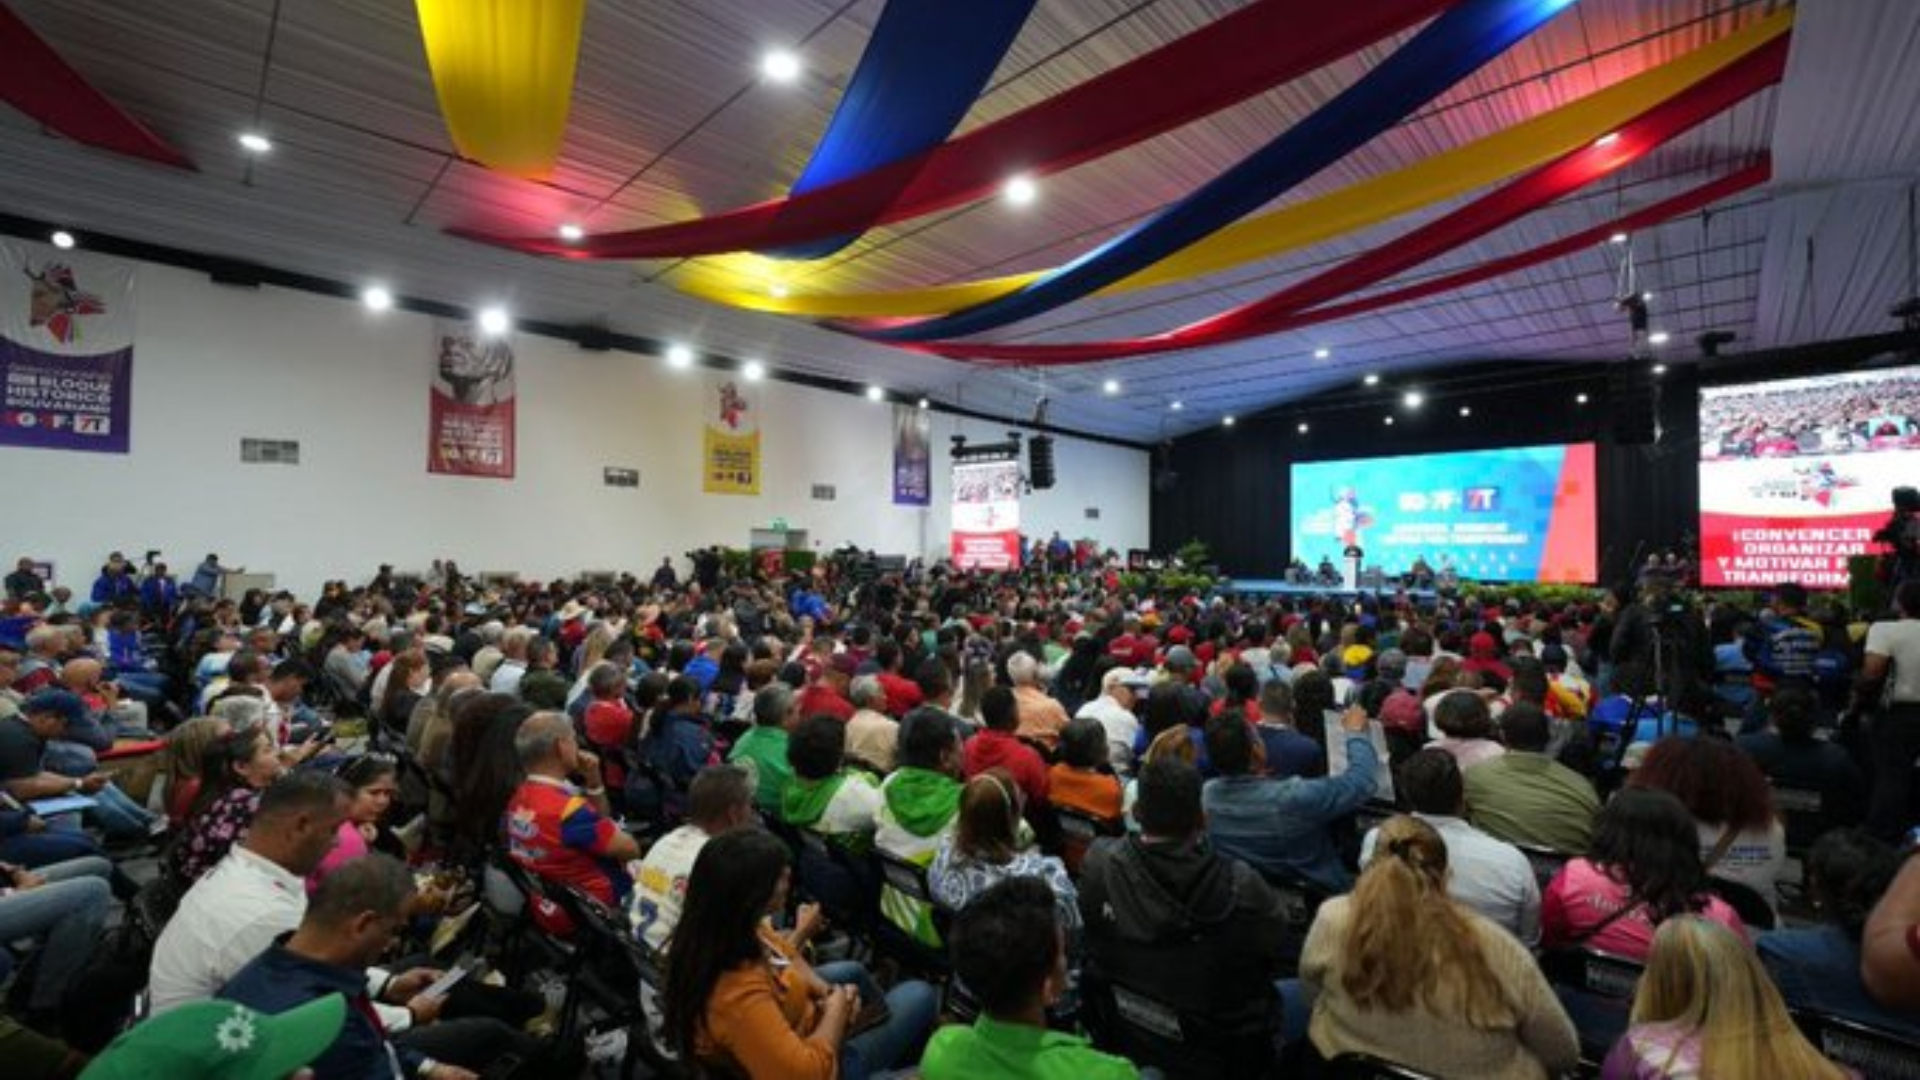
x=670, y=120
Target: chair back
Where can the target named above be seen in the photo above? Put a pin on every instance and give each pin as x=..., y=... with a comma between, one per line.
x=1804, y=812
x=1078, y=831
x=1546, y=862
x=1752, y=908
x=1358, y=1066
x=1875, y=1053
x=1592, y=971
x=1133, y=1021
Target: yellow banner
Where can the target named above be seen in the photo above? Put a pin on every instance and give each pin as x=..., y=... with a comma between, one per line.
x=745, y=281
x=503, y=70
x=731, y=463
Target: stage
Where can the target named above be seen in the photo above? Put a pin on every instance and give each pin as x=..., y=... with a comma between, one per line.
x=1294, y=590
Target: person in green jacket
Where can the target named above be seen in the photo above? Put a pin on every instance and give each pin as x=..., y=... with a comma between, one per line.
x=763, y=749
x=920, y=802
x=1009, y=950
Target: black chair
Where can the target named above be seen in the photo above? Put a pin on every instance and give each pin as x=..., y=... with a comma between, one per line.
x=1876, y=1053
x=1357, y=1066
x=1132, y=1021
x=847, y=889
x=1597, y=990
x=1804, y=812
x=1078, y=831
x=615, y=975
x=1546, y=862
x=1752, y=908
x=909, y=879
x=1300, y=901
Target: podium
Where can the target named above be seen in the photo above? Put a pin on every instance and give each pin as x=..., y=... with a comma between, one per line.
x=1350, y=569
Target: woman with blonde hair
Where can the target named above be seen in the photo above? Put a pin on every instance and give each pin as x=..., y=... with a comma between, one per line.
x=1705, y=1008
x=1403, y=972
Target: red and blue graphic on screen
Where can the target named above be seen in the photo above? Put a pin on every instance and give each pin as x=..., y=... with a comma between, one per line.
x=1519, y=514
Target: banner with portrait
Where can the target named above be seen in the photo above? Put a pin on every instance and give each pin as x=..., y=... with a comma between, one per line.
x=471, y=415
x=66, y=350
x=730, y=438
x=912, y=456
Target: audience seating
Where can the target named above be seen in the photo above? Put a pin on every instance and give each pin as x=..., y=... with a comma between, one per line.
x=909, y=879
x=1357, y=1066
x=1752, y=908
x=1876, y=1053
x=1546, y=862
x=1127, y=1019
x=1301, y=901
x=1078, y=831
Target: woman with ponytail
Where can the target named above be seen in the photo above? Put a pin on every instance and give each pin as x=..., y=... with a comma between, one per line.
x=1403, y=972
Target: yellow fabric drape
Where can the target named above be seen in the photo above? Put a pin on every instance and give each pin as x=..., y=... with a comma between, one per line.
x=1443, y=176
x=503, y=70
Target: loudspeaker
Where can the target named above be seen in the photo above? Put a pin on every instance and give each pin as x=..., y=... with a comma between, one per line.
x=1040, y=462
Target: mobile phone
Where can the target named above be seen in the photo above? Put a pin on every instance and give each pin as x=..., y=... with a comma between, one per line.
x=444, y=983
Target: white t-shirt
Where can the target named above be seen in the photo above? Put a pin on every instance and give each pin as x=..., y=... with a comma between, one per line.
x=1121, y=725
x=229, y=917
x=662, y=884
x=854, y=809
x=1899, y=642
x=1755, y=858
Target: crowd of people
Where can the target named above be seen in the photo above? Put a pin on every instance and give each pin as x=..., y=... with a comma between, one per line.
x=1022, y=825
x=1843, y=416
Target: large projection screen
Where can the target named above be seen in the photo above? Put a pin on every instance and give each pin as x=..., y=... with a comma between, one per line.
x=986, y=515
x=1796, y=475
x=1518, y=514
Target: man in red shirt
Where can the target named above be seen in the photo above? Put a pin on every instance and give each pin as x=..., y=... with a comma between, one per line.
x=997, y=746
x=561, y=831
x=827, y=694
x=903, y=694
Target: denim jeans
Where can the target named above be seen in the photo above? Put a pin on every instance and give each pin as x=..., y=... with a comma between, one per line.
x=35, y=850
x=68, y=912
x=912, y=1008
x=70, y=758
x=115, y=813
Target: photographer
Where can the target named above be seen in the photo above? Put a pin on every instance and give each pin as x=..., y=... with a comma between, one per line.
x=1901, y=534
x=1662, y=632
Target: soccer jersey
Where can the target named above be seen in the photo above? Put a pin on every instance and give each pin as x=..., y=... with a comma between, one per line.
x=556, y=833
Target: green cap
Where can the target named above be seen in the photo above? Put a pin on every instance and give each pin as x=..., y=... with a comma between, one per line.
x=222, y=1040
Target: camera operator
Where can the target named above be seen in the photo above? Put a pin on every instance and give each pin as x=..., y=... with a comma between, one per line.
x=706, y=567
x=1901, y=534
x=1662, y=632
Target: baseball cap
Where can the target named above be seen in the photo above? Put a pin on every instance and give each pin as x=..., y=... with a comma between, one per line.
x=1180, y=657
x=63, y=703
x=1132, y=678
x=222, y=1040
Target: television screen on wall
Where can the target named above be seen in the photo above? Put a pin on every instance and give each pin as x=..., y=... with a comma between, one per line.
x=1518, y=514
x=1796, y=475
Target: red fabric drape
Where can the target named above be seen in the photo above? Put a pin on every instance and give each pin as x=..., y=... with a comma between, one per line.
x=1500, y=207
x=1258, y=47
x=35, y=80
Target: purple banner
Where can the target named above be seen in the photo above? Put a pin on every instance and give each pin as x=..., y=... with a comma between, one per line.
x=912, y=456
x=66, y=350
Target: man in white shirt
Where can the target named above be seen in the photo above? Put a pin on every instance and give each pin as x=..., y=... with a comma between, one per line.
x=506, y=677
x=872, y=735
x=1490, y=876
x=720, y=800
x=1890, y=681
x=255, y=894
x=1120, y=690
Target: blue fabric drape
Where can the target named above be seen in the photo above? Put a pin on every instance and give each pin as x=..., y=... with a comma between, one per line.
x=923, y=68
x=1450, y=48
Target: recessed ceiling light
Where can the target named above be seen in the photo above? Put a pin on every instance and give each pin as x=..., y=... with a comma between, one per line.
x=1414, y=399
x=1303, y=427
x=874, y=393
x=1659, y=337
x=1387, y=420
x=1020, y=190
x=1177, y=405
x=780, y=66
x=1372, y=379
x=925, y=404
x=1466, y=410
x=62, y=239
x=679, y=356
x=255, y=143
x=572, y=233
x=1608, y=139
x=1617, y=238
x=1227, y=420
x=1322, y=353
x=377, y=298
x=778, y=291
x=1110, y=387
x=753, y=371
x=1659, y=369
x=1646, y=297
x=494, y=321
x=1580, y=399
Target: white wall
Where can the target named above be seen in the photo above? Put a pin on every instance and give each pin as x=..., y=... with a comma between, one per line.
x=213, y=364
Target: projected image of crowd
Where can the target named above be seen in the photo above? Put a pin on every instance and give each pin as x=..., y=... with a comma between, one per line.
x=1846, y=416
